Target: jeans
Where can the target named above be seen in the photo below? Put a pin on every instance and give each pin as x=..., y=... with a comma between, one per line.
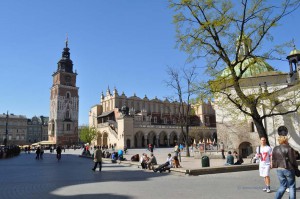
x=287, y=180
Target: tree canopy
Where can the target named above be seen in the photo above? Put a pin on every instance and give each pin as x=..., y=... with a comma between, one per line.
x=87, y=134
x=230, y=36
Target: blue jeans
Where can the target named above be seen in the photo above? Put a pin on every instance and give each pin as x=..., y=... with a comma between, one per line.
x=287, y=180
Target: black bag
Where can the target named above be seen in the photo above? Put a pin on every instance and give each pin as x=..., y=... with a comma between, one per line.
x=297, y=172
x=135, y=158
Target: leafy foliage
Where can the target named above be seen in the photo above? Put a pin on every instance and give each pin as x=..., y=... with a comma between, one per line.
x=87, y=134
x=228, y=34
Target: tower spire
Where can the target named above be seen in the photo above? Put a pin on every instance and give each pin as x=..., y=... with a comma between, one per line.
x=67, y=40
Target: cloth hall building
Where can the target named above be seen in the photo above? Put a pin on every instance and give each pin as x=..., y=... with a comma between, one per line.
x=136, y=122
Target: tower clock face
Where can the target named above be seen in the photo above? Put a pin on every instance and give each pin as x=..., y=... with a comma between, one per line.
x=68, y=78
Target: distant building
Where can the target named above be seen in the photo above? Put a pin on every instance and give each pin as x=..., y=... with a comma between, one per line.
x=136, y=122
x=64, y=103
x=16, y=128
x=37, y=129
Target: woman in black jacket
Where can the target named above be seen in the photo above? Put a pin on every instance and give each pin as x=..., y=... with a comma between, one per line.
x=283, y=158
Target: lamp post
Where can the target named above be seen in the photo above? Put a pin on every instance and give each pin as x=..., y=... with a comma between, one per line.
x=6, y=131
x=42, y=124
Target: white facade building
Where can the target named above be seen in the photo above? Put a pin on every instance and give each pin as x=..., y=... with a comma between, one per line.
x=237, y=130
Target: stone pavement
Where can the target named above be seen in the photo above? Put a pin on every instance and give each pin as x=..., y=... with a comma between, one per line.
x=72, y=177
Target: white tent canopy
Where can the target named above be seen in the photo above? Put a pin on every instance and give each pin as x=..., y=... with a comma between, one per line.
x=43, y=143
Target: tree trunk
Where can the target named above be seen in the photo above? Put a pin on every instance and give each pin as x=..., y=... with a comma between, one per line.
x=187, y=141
x=261, y=129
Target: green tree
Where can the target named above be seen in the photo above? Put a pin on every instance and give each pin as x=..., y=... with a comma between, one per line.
x=228, y=34
x=87, y=134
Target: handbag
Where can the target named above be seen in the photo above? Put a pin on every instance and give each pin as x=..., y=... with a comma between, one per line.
x=297, y=171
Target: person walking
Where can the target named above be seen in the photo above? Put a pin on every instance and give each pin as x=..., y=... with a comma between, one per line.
x=38, y=152
x=222, y=150
x=58, y=153
x=264, y=154
x=42, y=152
x=283, y=158
x=98, y=159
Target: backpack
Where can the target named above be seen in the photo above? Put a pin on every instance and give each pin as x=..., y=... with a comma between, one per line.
x=135, y=158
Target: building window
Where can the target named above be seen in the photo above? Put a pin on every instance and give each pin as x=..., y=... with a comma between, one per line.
x=165, y=120
x=207, y=122
x=252, y=128
x=68, y=95
x=17, y=137
x=174, y=121
x=68, y=127
x=155, y=119
x=67, y=115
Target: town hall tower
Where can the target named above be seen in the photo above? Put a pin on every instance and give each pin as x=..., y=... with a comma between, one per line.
x=64, y=103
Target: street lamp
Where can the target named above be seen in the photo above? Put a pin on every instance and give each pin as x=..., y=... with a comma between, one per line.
x=42, y=124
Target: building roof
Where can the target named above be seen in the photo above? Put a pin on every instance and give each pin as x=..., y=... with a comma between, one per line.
x=13, y=116
x=105, y=114
x=255, y=66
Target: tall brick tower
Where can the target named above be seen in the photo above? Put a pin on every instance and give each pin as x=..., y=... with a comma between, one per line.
x=64, y=103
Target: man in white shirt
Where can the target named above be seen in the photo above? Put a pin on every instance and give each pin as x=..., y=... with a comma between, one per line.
x=264, y=154
x=166, y=166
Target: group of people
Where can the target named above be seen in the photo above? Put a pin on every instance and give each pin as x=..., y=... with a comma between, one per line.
x=148, y=162
x=282, y=157
x=40, y=152
x=230, y=158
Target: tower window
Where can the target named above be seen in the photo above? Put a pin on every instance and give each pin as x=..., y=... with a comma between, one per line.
x=67, y=115
x=68, y=127
x=68, y=95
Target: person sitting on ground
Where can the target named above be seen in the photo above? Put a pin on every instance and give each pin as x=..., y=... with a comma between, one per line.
x=114, y=157
x=229, y=159
x=239, y=159
x=120, y=155
x=166, y=166
x=144, y=159
x=151, y=162
x=107, y=154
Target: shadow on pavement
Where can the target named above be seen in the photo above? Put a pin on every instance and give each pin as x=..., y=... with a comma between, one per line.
x=96, y=196
x=23, y=175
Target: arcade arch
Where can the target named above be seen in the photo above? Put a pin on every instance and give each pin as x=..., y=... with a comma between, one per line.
x=163, y=139
x=139, y=140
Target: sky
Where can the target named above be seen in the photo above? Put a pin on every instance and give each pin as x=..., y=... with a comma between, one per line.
x=123, y=44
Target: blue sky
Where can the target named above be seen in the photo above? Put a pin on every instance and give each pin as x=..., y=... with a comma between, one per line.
x=122, y=44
